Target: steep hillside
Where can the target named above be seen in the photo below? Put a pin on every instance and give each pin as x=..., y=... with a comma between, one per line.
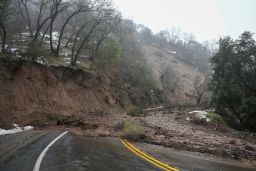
x=31, y=90
x=181, y=73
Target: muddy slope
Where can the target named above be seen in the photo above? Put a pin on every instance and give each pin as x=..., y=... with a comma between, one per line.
x=30, y=90
x=173, y=129
x=183, y=73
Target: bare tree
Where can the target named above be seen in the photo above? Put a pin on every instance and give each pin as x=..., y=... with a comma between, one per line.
x=57, y=6
x=44, y=33
x=213, y=46
x=200, y=87
x=174, y=34
x=187, y=37
x=102, y=35
x=164, y=35
x=48, y=10
x=73, y=30
x=77, y=8
x=101, y=15
x=104, y=31
x=90, y=25
x=41, y=19
x=5, y=16
x=22, y=8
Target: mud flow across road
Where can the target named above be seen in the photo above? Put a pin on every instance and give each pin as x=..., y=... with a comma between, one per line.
x=85, y=153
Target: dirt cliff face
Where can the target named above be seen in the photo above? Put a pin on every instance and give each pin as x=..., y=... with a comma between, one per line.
x=29, y=91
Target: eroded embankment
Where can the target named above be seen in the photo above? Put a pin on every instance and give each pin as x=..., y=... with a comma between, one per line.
x=31, y=92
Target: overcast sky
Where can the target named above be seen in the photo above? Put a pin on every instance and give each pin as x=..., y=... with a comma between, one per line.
x=207, y=19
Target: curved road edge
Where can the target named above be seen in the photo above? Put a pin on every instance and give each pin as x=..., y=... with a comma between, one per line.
x=41, y=156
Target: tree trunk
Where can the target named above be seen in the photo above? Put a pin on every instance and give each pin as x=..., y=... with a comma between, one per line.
x=39, y=27
x=28, y=18
x=42, y=38
x=99, y=43
x=84, y=41
x=51, y=28
x=96, y=50
x=70, y=38
x=62, y=32
x=198, y=101
x=73, y=63
x=4, y=36
x=38, y=31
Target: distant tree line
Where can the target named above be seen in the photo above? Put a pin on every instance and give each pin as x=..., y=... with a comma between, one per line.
x=184, y=44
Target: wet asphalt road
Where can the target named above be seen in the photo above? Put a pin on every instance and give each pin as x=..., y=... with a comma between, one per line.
x=73, y=153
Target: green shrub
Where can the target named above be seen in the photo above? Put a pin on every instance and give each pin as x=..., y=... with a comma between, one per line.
x=13, y=63
x=36, y=53
x=182, y=104
x=216, y=118
x=53, y=60
x=132, y=131
x=134, y=111
x=111, y=51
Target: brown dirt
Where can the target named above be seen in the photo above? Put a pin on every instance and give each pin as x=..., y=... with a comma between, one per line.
x=31, y=93
x=171, y=129
x=64, y=98
x=89, y=125
x=184, y=72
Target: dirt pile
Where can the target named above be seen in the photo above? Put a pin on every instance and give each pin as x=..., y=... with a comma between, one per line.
x=30, y=91
x=171, y=129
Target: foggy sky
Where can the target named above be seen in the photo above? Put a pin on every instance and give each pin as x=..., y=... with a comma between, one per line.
x=207, y=19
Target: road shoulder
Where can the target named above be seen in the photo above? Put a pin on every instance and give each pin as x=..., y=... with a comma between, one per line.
x=10, y=143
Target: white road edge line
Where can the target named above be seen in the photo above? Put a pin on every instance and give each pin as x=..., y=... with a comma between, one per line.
x=41, y=156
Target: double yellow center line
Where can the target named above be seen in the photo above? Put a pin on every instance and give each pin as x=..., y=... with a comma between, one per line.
x=146, y=157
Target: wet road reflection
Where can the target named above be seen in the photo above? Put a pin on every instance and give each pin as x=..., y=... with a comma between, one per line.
x=94, y=154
